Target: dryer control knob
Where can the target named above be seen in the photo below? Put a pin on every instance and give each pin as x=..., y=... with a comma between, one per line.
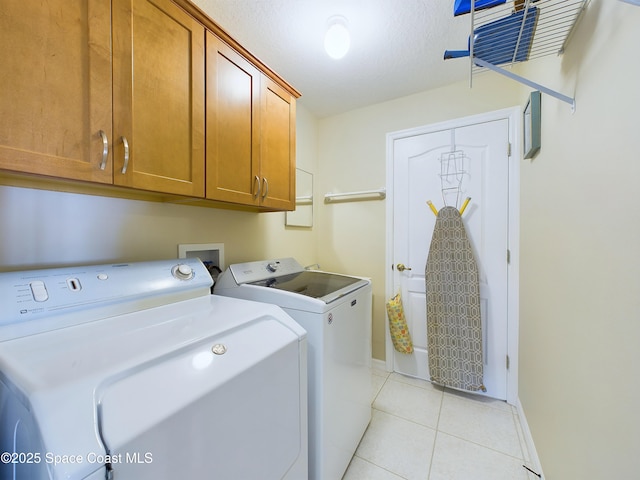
x=182, y=272
x=273, y=266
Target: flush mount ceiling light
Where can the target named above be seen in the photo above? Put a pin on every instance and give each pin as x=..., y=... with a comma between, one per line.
x=337, y=40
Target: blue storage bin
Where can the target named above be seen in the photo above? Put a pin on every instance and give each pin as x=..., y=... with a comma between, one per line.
x=460, y=7
x=496, y=42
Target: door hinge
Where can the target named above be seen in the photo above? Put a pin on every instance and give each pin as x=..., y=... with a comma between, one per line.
x=508, y=256
x=509, y=149
x=508, y=362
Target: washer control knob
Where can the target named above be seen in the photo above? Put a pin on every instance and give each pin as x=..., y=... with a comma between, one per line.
x=39, y=291
x=273, y=266
x=182, y=272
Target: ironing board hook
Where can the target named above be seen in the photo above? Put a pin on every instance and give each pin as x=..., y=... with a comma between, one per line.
x=462, y=209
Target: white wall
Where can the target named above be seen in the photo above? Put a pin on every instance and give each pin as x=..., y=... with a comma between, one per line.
x=580, y=281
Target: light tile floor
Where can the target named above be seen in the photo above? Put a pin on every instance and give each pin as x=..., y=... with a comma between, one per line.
x=426, y=432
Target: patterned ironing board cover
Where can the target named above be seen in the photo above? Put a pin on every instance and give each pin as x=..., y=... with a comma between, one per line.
x=454, y=327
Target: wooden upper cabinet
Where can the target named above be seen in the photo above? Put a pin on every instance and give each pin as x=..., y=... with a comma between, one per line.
x=119, y=92
x=278, y=147
x=233, y=138
x=158, y=97
x=55, y=88
x=250, y=133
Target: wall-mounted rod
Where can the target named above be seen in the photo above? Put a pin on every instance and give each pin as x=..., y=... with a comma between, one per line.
x=304, y=200
x=381, y=194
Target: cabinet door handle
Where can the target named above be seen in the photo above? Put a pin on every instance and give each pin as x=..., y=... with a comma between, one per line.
x=126, y=154
x=266, y=188
x=257, y=183
x=105, y=149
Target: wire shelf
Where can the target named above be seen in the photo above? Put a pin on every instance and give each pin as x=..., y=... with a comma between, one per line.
x=516, y=31
x=555, y=22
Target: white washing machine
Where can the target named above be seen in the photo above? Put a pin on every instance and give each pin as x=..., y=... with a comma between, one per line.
x=335, y=310
x=136, y=372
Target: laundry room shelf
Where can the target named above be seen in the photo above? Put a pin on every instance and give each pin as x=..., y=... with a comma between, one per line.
x=517, y=31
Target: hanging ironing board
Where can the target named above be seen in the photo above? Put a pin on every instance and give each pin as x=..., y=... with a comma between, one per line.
x=454, y=328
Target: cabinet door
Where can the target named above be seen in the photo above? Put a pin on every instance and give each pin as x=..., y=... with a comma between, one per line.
x=278, y=148
x=158, y=98
x=55, y=88
x=233, y=107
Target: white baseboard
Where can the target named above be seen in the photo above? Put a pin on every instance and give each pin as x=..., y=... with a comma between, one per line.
x=379, y=364
x=533, y=461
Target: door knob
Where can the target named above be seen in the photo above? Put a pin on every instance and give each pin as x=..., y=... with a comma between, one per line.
x=402, y=268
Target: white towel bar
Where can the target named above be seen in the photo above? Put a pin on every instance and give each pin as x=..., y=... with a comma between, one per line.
x=306, y=200
x=381, y=194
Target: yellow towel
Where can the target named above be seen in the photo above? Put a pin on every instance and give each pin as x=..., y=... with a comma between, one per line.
x=398, y=326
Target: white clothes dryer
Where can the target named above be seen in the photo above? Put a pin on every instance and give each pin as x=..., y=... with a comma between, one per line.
x=335, y=310
x=135, y=372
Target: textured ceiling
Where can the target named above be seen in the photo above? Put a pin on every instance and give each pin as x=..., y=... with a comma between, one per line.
x=396, y=46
